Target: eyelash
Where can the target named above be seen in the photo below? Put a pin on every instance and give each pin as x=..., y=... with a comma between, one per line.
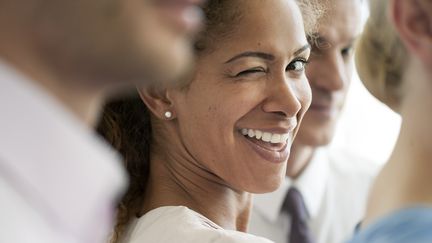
x=250, y=71
x=347, y=51
x=303, y=62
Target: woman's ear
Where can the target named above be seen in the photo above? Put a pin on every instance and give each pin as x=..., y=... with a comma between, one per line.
x=157, y=101
x=413, y=21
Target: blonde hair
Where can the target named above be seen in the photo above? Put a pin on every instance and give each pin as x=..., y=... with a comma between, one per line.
x=312, y=11
x=381, y=56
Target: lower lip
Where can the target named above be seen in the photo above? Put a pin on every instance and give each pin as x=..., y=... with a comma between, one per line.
x=183, y=15
x=273, y=156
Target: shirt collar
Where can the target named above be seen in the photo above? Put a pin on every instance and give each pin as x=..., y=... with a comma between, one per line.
x=54, y=161
x=311, y=184
x=270, y=204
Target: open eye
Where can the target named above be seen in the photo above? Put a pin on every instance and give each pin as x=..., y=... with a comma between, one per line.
x=250, y=71
x=347, y=51
x=297, y=65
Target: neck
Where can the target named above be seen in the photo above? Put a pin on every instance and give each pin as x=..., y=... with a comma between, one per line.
x=405, y=179
x=300, y=157
x=83, y=102
x=175, y=181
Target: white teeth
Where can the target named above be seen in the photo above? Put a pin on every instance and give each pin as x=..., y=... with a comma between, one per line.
x=251, y=133
x=285, y=137
x=275, y=138
x=244, y=131
x=258, y=134
x=265, y=136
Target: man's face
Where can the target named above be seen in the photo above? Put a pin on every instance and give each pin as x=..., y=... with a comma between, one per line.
x=330, y=70
x=116, y=40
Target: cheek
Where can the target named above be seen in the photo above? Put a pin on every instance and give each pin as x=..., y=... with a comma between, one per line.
x=313, y=69
x=206, y=125
x=349, y=67
x=349, y=75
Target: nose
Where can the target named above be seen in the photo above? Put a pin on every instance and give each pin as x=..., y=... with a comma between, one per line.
x=287, y=97
x=328, y=72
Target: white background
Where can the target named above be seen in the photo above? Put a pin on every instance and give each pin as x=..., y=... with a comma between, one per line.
x=366, y=126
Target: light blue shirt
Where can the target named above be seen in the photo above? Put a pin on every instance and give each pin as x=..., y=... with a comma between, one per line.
x=407, y=225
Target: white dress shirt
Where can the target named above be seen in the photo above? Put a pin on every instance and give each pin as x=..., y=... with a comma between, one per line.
x=334, y=187
x=58, y=180
x=178, y=224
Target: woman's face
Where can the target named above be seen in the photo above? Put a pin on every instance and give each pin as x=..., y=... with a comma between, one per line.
x=240, y=114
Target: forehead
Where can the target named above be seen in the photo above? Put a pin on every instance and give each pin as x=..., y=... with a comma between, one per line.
x=275, y=24
x=342, y=20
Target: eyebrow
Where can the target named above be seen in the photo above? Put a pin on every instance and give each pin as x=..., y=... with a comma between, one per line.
x=302, y=49
x=321, y=39
x=265, y=56
x=262, y=55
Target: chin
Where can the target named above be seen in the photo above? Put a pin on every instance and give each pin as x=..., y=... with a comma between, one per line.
x=266, y=189
x=265, y=185
x=178, y=64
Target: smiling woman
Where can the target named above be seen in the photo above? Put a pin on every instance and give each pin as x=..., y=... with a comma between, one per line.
x=225, y=133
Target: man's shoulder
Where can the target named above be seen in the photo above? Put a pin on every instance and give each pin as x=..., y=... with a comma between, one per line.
x=21, y=221
x=348, y=164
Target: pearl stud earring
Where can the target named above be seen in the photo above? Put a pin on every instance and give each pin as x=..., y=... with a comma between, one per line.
x=168, y=114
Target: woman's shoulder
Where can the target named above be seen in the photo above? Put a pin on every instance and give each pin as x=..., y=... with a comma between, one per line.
x=180, y=224
x=407, y=225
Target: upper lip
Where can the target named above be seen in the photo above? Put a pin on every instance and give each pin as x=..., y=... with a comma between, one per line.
x=190, y=2
x=198, y=2
x=322, y=103
x=322, y=106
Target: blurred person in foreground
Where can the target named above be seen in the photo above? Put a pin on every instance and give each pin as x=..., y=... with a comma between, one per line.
x=395, y=64
x=58, y=62
x=324, y=194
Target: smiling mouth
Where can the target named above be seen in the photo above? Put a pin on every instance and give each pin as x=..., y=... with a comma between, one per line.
x=272, y=147
x=274, y=142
